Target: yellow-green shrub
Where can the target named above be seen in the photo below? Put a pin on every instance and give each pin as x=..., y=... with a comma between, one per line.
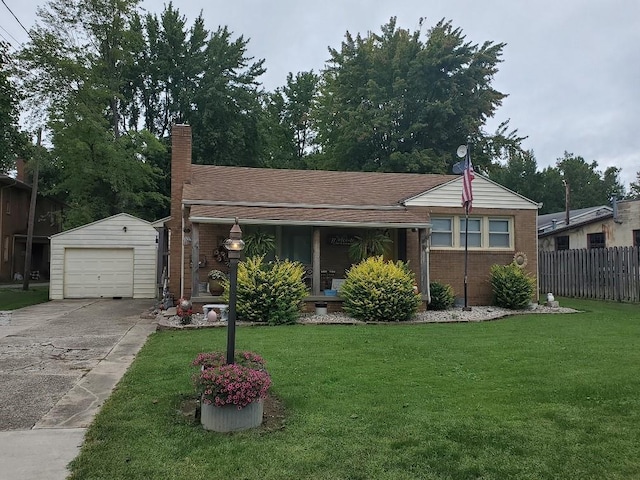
x=269, y=292
x=380, y=291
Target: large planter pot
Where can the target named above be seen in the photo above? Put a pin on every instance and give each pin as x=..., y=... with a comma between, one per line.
x=229, y=418
x=215, y=288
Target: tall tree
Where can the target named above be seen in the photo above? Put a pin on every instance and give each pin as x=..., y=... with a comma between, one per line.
x=12, y=141
x=286, y=126
x=392, y=102
x=75, y=66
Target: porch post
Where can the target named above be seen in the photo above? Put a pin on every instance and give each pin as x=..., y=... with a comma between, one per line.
x=195, y=258
x=423, y=241
x=316, y=261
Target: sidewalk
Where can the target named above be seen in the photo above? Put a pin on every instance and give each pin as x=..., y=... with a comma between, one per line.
x=44, y=451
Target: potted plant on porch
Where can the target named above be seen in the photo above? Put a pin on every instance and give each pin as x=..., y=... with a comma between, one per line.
x=215, y=278
x=231, y=394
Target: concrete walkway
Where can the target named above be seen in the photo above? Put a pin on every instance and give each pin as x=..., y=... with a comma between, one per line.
x=59, y=362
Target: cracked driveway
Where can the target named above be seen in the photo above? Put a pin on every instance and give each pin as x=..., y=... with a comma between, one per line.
x=47, y=349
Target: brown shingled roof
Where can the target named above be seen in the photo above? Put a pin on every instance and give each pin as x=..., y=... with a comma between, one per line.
x=257, y=185
x=217, y=194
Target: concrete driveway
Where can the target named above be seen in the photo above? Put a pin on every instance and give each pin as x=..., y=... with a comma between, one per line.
x=59, y=361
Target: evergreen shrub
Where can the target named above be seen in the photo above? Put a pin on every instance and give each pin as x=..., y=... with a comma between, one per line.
x=512, y=286
x=442, y=296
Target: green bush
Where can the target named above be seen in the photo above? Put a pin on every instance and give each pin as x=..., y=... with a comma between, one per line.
x=269, y=292
x=379, y=291
x=512, y=286
x=442, y=296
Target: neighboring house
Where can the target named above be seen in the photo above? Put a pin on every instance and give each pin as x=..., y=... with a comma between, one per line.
x=115, y=257
x=15, y=198
x=316, y=214
x=602, y=226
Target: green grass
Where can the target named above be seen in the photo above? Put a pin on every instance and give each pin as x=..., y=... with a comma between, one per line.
x=528, y=397
x=13, y=298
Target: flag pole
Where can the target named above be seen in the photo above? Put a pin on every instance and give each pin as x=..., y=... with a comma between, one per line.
x=466, y=307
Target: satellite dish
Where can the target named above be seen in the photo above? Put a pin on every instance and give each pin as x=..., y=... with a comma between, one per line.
x=458, y=168
x=462, y=151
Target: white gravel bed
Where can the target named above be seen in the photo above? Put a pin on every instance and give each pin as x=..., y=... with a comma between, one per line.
x=453, y=315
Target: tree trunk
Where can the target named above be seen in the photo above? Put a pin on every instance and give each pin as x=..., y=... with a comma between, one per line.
x=32, y=217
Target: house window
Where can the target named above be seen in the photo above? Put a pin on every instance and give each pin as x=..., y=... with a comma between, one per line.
x=474, y=234
x=499, y=234
x=596, y=240
x=562, y=243
x=442, y=232
x=636, y=238
x=484, y=232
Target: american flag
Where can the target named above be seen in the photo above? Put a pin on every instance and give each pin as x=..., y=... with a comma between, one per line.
x=467, y=176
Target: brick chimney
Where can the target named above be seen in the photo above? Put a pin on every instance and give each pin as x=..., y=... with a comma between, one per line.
x=20, y=175
x=180, y=174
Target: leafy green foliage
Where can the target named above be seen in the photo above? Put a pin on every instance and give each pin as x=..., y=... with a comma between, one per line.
x=12, y=141
x=393, y=102
x=269, y=292
x=376, y=290
x=371, y=243
x=259, y=244
x=512, y=286
x=442, y=296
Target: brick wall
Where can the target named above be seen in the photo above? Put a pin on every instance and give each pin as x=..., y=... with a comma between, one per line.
x=447, y=266
x=180, y=174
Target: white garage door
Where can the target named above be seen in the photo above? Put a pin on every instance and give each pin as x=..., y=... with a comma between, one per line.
x=98, y=272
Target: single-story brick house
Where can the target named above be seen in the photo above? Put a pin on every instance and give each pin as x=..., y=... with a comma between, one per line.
x=313, y=214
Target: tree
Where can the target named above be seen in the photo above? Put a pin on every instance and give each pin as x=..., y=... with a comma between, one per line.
x=391, y=102
x=635, y=187
x=75, y=66
x=287, y=122
x=520, y=174
x=12, y=140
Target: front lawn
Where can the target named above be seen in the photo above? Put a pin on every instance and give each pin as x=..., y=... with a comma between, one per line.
x=528, y=397
x=12, y=298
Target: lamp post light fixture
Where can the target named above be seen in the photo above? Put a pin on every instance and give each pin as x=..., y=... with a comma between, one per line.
x=234, y=244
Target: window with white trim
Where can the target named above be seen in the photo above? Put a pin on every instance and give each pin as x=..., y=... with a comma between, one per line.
x=471, y=230
x=442, y=232
x=484, y=232
x=499, y=233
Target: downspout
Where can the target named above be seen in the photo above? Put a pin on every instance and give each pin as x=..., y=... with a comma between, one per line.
x=182, y=252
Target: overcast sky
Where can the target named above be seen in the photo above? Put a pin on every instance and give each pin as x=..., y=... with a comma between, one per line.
x=571, y=68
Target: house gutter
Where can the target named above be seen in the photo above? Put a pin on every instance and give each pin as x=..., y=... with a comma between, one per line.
x=182, y=253
x=316, y=223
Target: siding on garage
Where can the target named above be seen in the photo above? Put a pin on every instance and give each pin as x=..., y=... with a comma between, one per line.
x=121, y=231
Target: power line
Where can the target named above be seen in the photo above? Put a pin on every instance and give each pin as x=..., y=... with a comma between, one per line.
x=17, y=19
x=9, y=33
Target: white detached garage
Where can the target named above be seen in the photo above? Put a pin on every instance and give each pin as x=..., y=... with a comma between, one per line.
x=113, y=257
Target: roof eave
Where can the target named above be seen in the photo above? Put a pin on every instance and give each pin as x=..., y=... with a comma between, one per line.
x=313, y=223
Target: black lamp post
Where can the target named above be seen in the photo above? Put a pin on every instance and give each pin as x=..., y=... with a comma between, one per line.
x=234, y=244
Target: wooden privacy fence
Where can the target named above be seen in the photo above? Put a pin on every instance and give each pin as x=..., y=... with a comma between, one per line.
x=603, y=273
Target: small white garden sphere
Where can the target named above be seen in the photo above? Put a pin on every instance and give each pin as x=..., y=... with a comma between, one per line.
x=212, y=316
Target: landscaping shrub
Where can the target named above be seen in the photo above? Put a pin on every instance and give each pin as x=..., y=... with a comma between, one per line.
x=269, y=292
x=512, y=286
x=380, y=291
x=442, y=296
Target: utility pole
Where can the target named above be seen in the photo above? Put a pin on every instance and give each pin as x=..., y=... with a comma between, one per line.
x=567, y=202
x=32, y=216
